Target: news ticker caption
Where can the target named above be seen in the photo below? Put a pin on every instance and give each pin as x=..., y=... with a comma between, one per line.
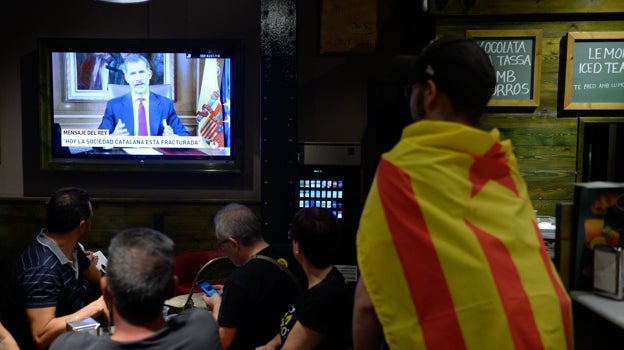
x=102, y=138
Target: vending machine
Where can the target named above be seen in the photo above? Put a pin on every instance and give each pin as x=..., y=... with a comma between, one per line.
x=329, y=176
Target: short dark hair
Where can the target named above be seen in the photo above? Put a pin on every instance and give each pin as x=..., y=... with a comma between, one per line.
x=237, y=221
x=134, y=57
x=66, y=208
x=461, y=69
x=140, y=273
x=319, y=234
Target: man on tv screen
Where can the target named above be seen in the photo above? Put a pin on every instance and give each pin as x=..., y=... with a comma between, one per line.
x=141, y=112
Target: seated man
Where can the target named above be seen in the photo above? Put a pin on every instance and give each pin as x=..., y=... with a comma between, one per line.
x=54, y=278
x=139, y=277
x=259, y=291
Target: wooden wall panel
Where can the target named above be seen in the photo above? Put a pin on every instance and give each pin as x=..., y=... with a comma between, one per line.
x=189, y=224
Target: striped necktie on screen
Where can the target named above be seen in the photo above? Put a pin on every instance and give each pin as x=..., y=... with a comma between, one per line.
x=142, y=119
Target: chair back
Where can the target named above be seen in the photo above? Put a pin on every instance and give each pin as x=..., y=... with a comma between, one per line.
x=214, y=271
x=188, y=264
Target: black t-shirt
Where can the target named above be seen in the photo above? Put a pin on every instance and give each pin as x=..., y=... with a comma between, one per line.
x=255, y=297
x=326, y=308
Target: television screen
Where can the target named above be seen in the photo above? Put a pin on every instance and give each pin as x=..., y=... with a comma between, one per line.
x=136, y=105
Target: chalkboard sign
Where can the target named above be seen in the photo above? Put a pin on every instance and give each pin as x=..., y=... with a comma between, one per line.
x=516, y=56
x=594, y=71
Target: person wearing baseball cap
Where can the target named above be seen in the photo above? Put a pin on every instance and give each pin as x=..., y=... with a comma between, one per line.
x=449, y=251
x=459, y=69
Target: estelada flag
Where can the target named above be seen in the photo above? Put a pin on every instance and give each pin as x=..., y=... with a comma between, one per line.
x=450, y=251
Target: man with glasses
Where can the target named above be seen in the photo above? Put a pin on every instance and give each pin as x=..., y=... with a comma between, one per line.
x=260, y=290
x=54, y=280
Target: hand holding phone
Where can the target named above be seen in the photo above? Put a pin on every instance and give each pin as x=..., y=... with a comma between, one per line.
x=207, y=288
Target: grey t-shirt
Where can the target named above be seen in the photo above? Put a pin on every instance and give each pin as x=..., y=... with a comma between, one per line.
x=192, y=329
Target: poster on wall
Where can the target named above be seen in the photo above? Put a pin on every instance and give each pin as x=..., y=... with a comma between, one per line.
x=516, y=56
x=348, y=27
x=594, y=72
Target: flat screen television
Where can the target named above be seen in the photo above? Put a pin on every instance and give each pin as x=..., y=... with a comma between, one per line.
x=196, y=93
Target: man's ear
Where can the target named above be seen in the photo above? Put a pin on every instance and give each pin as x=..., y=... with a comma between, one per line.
x=108, y=297
x=430, y=90
x=83, y=226
x=434, y=100
x=234, y=242
x=295, y=244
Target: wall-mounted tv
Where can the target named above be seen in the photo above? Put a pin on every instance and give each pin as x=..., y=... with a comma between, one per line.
x=141, y=104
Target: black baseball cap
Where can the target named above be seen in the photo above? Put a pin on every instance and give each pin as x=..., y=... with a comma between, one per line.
x=459, y=67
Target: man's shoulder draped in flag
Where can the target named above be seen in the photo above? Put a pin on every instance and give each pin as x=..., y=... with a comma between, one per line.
x=438, y=214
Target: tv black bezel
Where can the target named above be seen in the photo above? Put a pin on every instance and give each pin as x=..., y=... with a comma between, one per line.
x=138, y=163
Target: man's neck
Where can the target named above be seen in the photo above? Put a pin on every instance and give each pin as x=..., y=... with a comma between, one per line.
x=314, y=274
x=144, y=96
x=443, y=110
x=66, y=242
x=256, y=248
x=126, y=331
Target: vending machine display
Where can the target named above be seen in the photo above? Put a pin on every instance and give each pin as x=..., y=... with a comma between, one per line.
x=329, y=177
x=325, y=193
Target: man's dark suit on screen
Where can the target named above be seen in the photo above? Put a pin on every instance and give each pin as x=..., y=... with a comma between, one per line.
x=160, y=108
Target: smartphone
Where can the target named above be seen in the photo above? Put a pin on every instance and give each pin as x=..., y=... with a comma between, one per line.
x=207, y=288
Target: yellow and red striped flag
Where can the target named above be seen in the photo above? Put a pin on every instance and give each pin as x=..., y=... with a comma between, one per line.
x=450, y=251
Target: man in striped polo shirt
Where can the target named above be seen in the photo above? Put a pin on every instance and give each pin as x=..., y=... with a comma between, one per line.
x=53, y=280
